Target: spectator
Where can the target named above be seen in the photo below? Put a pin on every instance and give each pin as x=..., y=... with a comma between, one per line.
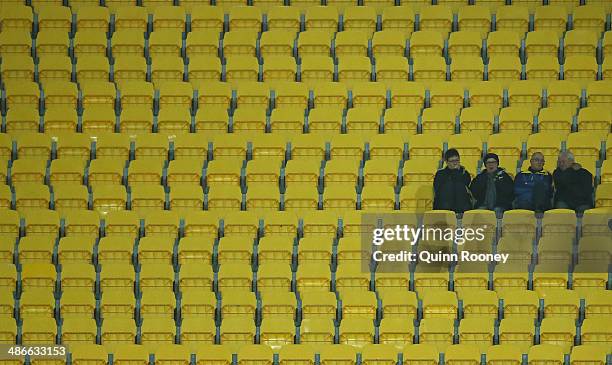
x=533, y=188
x=451, y=185
x=493, y=188
x=573, y=184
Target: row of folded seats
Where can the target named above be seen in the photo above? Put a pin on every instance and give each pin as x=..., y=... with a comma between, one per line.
x=189, y=5
x=328, y=107
x=327, y=354
x=441, y=18
x=315, y=177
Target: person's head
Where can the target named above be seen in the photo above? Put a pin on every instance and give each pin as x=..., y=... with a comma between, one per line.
x=491, y=162
x=565, y=160
x=537, y=161
x=451, y=156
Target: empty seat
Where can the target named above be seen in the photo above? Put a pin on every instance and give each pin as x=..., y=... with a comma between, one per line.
x=436, y=18
x=504, y=69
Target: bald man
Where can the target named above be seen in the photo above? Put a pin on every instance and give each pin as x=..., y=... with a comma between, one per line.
x=533, y=187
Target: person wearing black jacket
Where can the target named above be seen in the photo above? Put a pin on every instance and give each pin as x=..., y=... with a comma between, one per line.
x=573, y=184
x=493, y=188
x=451, y=185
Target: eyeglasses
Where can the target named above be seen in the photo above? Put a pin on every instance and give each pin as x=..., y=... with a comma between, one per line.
x=537, y=159
x=491, y=161
x=453, y=160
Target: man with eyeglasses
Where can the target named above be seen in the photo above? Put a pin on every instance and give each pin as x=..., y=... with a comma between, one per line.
x=451, y=185
x=493, y=188
x=533, y=188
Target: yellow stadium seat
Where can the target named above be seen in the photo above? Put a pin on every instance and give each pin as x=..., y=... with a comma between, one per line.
x=477, y=120
x=93, y=67
x=15, y=42
x=78, y=276
x=245, y=18
x=276, y=43
x=109, y=198
x=129, y=69
x=136, y=93
x=9, y=276
x=212, y=119
x=22, y=93
x=136, y=119
x=165, y=42
x=147, y=198
x=252, y=94
x=237, y=332
x=16, y=68
x=34, y=145
x=190, y=250
x=38, y=276
x=314, y=42
x=54, y=67
x=158, y=303
x=590, y=17
x=587, y=353
x=17, y=16
x=239, y=43
x=318, y=331
x=437, y=332
x=464, y=43
x=439, y=120
x=242, y=306
x=169, y=17
x=235, y=277
x=517, y=332
x=503, y=43
x=242, y=69
x=37, y=303
x=421, y=352
x=38, y=330
x=436, y=18
x=357, y=332
x=196, y=302
x=351, y=43
x=166, y=68
x=440, y=305
x=504, y=69
x=475, y=18
x=66, y=171
x=31, y=196
x=429, y=69
x=115, y=250
x=545, y=353
x=23, y=119
x=351, y=278
x=361, y=18
x=77, y=303
x=467, y=70
x=502, y=353
x=559, y=332
x=580, y=42
x=60, y=94
x=391, y=70
x=581, y=69
x=444, y=95
x=154, y=147
x=563, y=94
x=98, y=119
x=555, y=119
x=46, y=222
x=363, y=120
x=426, y=43
x=542, y=69
x=203, y=42
x=598, y=94
x=52, y=42
x=516, y=120
x=551, y=18
x=398, y=18
x=284, y=18
x=131, y=18
x=206, y=17
x=155, y=250
x=354, y=69
x=89, y=43
x=91, y=17
x=322, y=18
x=542, y=43
x=512, y=18
x=395, y=332
x=466, y=352
x=276, y=332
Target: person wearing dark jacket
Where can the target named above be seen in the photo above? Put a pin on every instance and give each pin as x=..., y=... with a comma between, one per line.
x=493, y=188
x=451, y=185
x=533, y=187
x=573, y=184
